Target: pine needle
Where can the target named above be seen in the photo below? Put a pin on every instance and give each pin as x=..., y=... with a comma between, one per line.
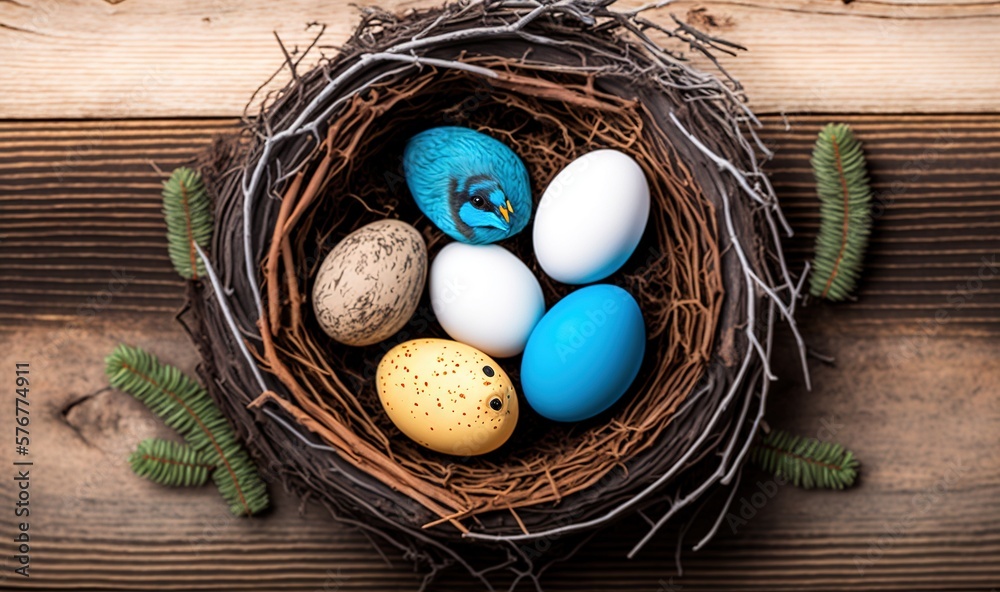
x=185, y=406
x=806, y=462
x=188, y=213
x=841, y=175
x=169, y=463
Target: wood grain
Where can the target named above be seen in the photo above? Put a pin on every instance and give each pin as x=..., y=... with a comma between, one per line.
x=81, y=231
x=924, y=419
x=934, y=257
x=99, y=59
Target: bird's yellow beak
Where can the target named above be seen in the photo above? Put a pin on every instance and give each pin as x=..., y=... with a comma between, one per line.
x=510, y=208
x=505, y=214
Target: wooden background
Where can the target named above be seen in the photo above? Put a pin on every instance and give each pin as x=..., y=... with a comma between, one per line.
x=96, y=94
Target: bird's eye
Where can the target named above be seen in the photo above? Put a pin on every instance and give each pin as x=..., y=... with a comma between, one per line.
x=496, y=404
x=488, y=371
x=478, y=201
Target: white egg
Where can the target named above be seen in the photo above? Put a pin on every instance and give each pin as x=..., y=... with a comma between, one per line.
x=591, y=217
x=484, y=296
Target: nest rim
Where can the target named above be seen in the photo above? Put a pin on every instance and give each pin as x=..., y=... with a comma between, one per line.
x=735, y=365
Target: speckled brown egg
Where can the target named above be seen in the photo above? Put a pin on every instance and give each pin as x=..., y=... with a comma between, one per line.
x=369, y=285
x=447, y=396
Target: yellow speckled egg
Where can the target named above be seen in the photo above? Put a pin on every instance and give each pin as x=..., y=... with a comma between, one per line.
x=447, y=396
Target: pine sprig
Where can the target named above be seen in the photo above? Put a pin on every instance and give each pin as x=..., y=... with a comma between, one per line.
x=170, y=463
x=841, y=175
x=188, y=213
x=806, y=462
x=185, y=406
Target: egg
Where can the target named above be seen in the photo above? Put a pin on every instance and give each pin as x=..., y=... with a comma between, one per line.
x=584, y=353
x=447, y=396
x=369, y=285
x=591, y=216
x=483, y=295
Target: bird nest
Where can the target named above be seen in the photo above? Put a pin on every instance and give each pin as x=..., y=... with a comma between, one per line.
x=552, y=80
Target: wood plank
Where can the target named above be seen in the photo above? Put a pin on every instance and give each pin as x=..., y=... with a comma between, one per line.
x=73, y=221
x=81, y=232
x=125, y=59
x=923, y=417
x=934, y=255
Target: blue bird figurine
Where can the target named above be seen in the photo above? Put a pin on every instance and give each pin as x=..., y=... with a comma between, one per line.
x=474, y=188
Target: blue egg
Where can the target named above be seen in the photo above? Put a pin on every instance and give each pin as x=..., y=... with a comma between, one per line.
x=584, y=353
